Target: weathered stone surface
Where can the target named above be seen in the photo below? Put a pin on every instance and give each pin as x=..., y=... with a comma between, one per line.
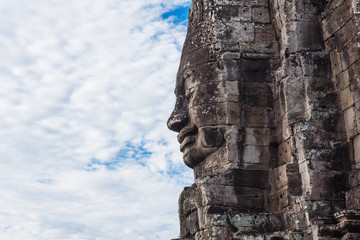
x=357, y=150
x=350, y=124
x=342, y=80
x=268, y=115
x=285, y=152
x=337, y=18
x=258, y=137
x=346, y=98
x=350, y=53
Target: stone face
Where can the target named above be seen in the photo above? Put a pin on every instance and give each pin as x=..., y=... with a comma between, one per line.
x=268, y=116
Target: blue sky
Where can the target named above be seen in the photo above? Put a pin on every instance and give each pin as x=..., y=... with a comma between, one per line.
x=86, y=90
x=178, y=15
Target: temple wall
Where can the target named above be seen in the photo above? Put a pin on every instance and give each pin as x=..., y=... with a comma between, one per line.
x=341, y=24
x=274, y=112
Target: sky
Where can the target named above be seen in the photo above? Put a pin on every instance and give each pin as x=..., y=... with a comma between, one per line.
x=86, y=90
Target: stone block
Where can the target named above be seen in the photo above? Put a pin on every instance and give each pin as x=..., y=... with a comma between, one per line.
x=222, y=46
x=255, y=65
x=328, y=185
x=278, y=200
x=315, y=64
x=200, y=56
x=354, y=178
x=259, y=94
x=189, y=224
x=297, y=221
x=242, y=31
x=290, y=67
x=203, y=73
x=279, y=109
x=314, y=83
x=249, y=178
x=353, y=198
x=257, y=155
x=316, y=138
x=264, y=33
x=294, y=40
x=283, y=131
x=230, y=70
x=283, y=11
x=325, y=208
x=350, y=53
x=346, y=98
x=280, y=179
x=216, y=114
x=335, y=60
x=285, y=152
x=354, y=75
x=356, y=7
x=255, y=223
x=322, y=100
x=330, y=44
x=233, y=197
x=217, y=162
x=347, y=32
x=212, y=136
x=357, y=150
x=228, y=13
x=257, y=136
x=307, y=10
x=294, y=188
x=258, y=117
x=259, y=50
x=342, y=80
x=357, y=110
x=256, y=70
x=331, y=6
x=295, y=99
x=334, y=21
x=255, y=76
x=244, y=13
x=261, y=15
x=298, y=10
x=213, y=92
x=199, y=35
x=335, y=158
x=189, y=201
x=350, y=124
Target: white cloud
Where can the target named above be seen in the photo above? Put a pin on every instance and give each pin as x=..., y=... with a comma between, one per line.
x=80, y=82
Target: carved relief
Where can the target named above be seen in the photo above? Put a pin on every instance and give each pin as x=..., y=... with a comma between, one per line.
x=261, y=124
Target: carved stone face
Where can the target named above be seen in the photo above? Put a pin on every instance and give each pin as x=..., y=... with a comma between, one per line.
x=189, y=118
x=203, y=109
x=207, y=96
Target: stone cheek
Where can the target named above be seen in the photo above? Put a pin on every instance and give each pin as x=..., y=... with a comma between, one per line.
x=212, y=114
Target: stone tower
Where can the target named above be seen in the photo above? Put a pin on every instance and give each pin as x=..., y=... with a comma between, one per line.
x=268, y=115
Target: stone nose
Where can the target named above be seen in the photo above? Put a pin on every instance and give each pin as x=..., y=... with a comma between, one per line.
x=177, y=120
x=179, y=117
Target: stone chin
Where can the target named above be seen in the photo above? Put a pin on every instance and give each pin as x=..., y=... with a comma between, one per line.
x=194, y=156
x=196, y=148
